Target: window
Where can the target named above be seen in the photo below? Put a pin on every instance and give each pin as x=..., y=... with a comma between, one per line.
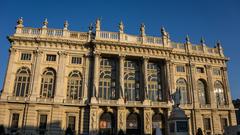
x=71, y=122
x=51, y=57
x=48, y=83
x=180, y=69
x=154, y=82
x=207, y=125
x=22, y=82
x=182, y=88
x=132, y=80
x=202, y=92
x=42, y=124
x=26, y=56
x=74, y=90
x=219, y=93
x=15, y=120
x=107, y=80
x=200, y=70
x=216, y=71
x=76, y=60
x=224, y=123
x=157, y=122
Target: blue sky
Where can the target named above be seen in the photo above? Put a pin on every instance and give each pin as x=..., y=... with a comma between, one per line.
x=212, y=19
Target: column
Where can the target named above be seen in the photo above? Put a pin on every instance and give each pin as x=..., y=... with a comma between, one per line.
x=169, y=79
x=121, y=79
x=36, y=74
x=211, y=95
x=147, y=121
x=95, y=77
x=193, y=85
x=145, y=76
x=93, y=123
x=86, y=77
x=232, y=118
x=9, y=77
x=58, y=97
x=121, y=119
x=226, y=87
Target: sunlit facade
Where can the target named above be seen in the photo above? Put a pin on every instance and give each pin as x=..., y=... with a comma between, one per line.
x=100, y=82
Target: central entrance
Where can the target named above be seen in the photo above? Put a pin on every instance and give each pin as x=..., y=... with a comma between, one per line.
x=133, y=124
x=106, y=124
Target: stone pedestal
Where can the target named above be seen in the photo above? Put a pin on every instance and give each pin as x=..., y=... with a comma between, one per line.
x=178, y=122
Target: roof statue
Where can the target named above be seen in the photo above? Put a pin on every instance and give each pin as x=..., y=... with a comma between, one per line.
x=45, y=23
x=121, y=27
x=65, y=25
x=142, y=30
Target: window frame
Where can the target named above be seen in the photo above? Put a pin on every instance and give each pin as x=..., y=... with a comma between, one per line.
x=52, y=59
x=26, y=53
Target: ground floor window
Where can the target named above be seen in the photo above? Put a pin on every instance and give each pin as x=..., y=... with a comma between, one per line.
x=42, y=124
x=133, y=124
x=15, y=121
x=106, y=124
x=157, y=122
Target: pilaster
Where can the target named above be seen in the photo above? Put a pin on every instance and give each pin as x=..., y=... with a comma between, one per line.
x=210, y=86
x=169, y=79
x=95, y=77
x=60, y=77
x=145, y=76
x=147, y=121
x=226, y=87
x=232, y=118
x=121, y=78
x=195, y=100
x=86, y=77
x=36, y=73
x=93, y=124
x=121, y=119
x=9, y=78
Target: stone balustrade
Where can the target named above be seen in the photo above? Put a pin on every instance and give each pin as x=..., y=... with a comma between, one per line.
x=115, y=37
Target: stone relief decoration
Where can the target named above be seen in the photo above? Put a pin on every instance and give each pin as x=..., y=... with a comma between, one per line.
x=147, y=122
x=93, y=119
x=121, y=124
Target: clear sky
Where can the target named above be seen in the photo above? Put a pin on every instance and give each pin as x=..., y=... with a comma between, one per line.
x=212, y=19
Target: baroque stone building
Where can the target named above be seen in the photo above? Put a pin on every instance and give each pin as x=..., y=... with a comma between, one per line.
x=101, y=82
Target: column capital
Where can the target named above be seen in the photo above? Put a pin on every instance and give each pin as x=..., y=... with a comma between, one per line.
x=88, y=54
x=224, y=68
x=96, y=53
x=146, y=58
x=13, y=50
x=208, y=66
x=122, y=55
x=38, y=51
x=62, y=53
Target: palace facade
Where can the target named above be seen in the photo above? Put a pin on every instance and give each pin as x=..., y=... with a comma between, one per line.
x=101, y=82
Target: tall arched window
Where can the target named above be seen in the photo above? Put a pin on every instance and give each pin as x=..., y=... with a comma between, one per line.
x=133, y=124
x=74, y=89
x=106, y=124
x=182, y=87
x=219, y=93
x=22, y=82
x=154, y=82
x=48, y=83
x=107, y=80
x=202, y=92
x=131, y=80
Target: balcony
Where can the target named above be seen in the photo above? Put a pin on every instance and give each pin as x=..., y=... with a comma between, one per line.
x=107, y=102
x=73, y=102
x=19, y=99
x=206, y=106
x=224, y=106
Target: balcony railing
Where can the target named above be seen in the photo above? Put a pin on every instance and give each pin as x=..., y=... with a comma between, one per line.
x=205, y=105
x=107, y=102
x=72, y=101
x=45, y=100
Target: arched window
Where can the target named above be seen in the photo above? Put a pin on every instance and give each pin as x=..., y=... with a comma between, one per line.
x=182, y=87
x=157, y=122
x=202, y=92
x=219, y=93
x=74, y=89
x=133, y=124
x=107, y=80
x=154, y=83
x=106, y=124
x=48, y=83
x=131, y=80
x=22, y=82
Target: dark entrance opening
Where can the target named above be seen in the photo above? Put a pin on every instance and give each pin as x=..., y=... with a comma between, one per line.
x=133, y=124
x=158, y=122
x=106, y=124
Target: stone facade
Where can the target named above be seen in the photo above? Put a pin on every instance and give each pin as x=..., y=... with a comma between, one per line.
x=44, y=51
